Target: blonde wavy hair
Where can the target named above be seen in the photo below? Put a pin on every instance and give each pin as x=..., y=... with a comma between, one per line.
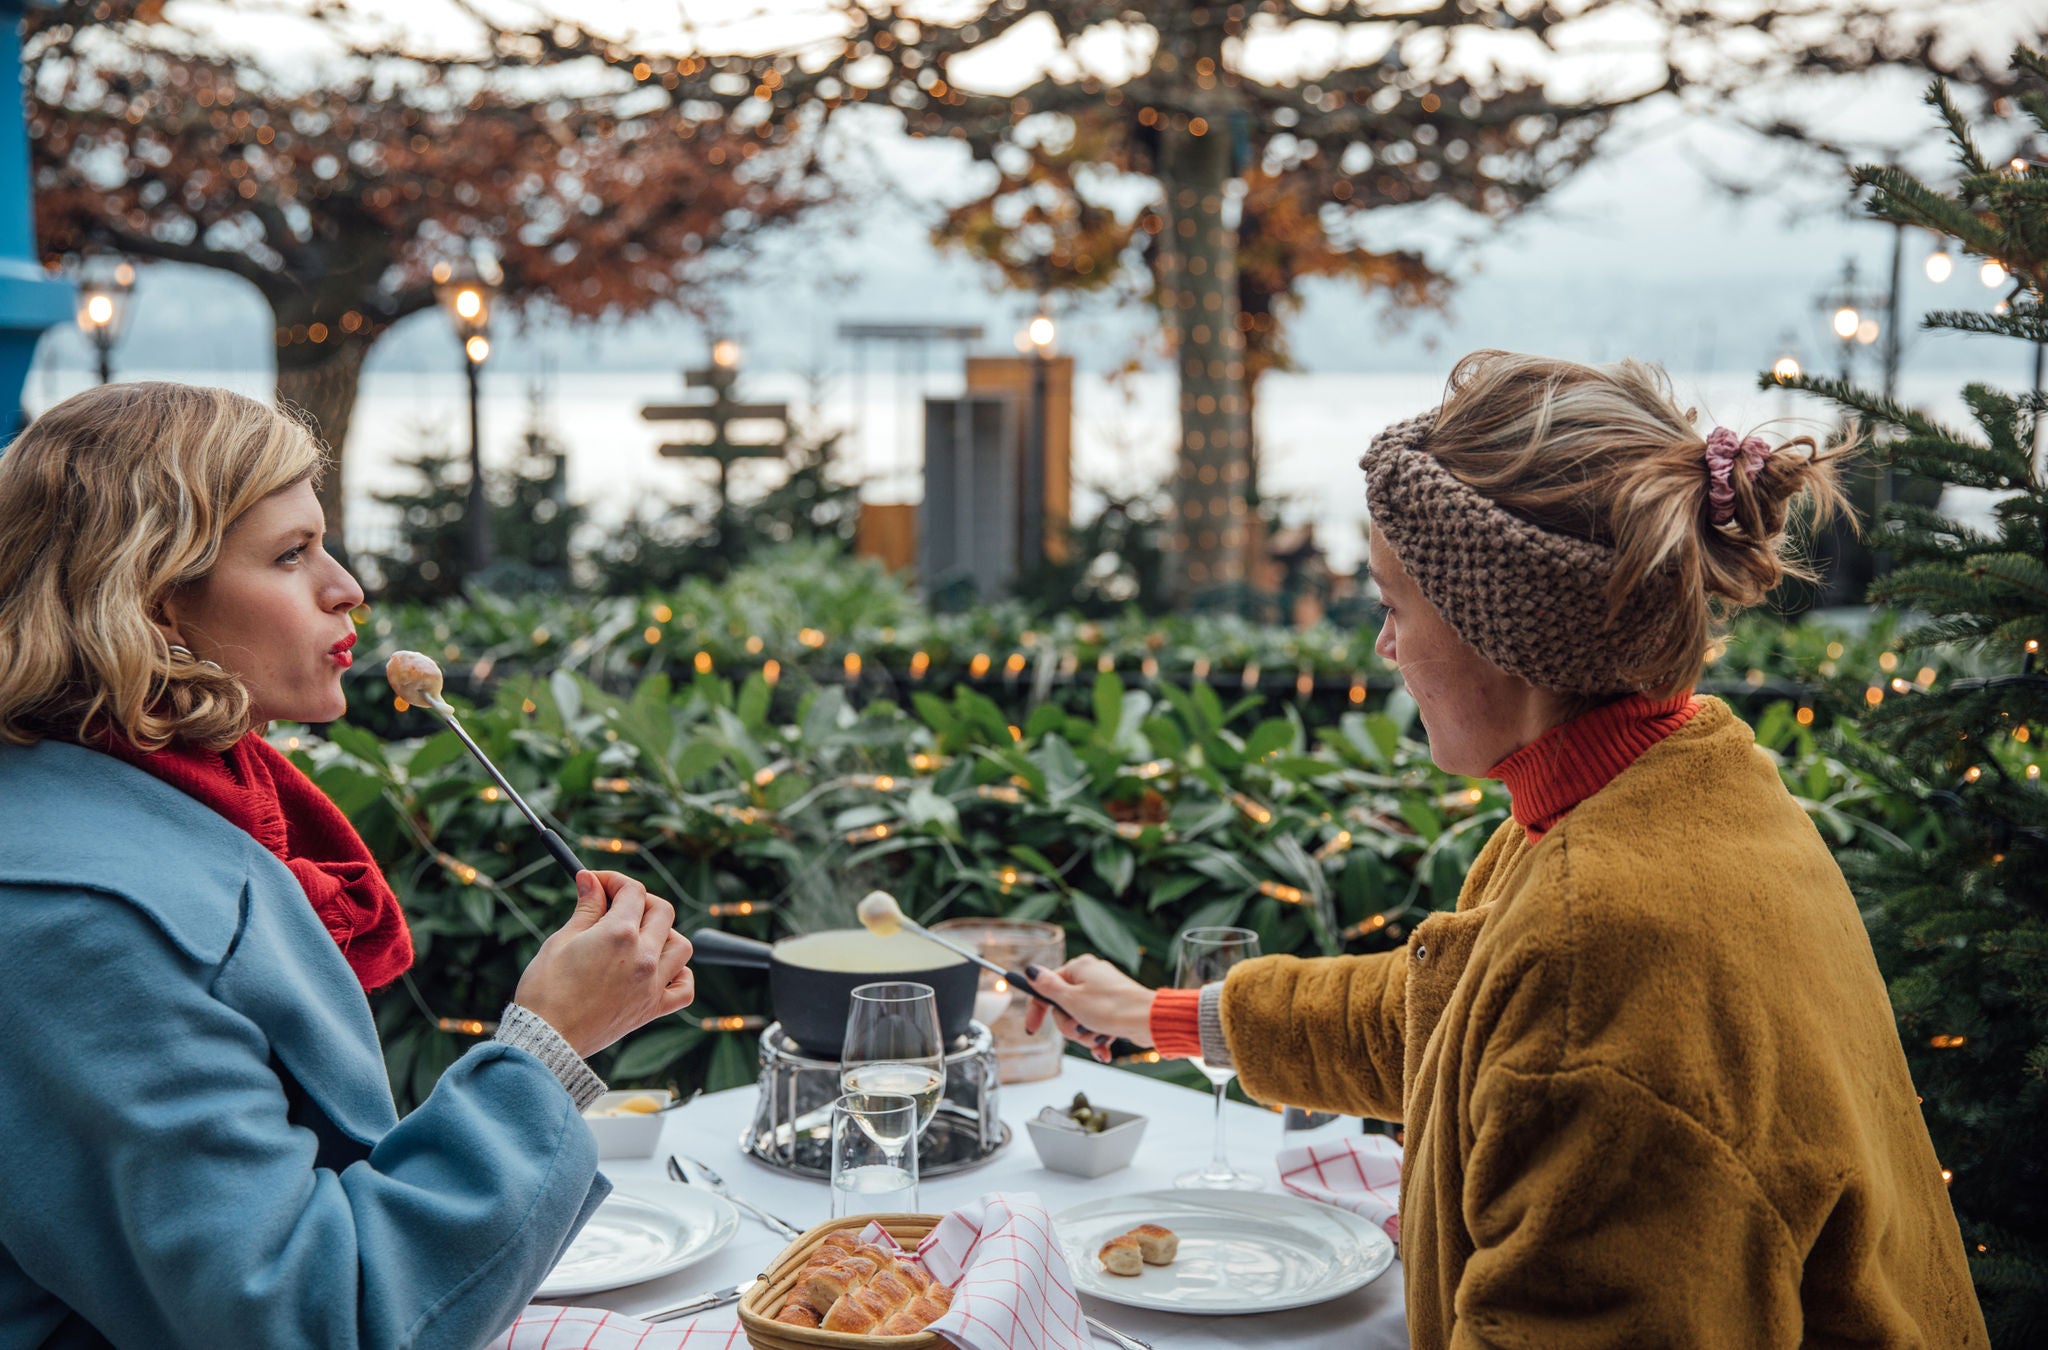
x=110, y=502
x=1608, y=454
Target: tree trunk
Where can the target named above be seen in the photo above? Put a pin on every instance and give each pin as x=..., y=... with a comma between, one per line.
x=324, y=392
x=1201, y=307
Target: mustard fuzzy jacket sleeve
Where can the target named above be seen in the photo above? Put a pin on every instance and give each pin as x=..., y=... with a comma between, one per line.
x=1323, y=1033
x=1327, y=1033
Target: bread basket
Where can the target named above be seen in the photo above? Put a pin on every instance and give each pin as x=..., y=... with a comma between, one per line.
x=764, y=1300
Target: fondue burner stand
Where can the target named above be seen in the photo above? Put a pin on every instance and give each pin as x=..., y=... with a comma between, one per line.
x=792, y=1126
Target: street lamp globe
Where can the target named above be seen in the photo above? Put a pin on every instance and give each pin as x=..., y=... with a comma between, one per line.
x=725, y=354
x=477, y=348
x=1866, y=332
x=1847, y=321
x=1041, y=332
x=1785, y=369
x=1992, y=273
x=103, y=313
x=467, y=300
x=1940, y=267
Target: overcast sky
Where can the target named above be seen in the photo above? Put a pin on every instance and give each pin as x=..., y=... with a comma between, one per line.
x=1639, y=255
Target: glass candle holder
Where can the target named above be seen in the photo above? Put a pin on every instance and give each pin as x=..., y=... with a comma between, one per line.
x=1021, y=1057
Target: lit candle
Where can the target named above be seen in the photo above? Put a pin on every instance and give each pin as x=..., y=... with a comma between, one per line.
x=992, y=1002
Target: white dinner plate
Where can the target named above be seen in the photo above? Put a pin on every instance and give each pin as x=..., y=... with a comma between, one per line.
x=1240, y=1251
x=642, y=1230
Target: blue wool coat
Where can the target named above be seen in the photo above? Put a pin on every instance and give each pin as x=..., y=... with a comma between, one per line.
x=198, y=1145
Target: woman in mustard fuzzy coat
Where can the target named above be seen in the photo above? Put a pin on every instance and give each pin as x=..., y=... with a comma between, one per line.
x=1652, y=1087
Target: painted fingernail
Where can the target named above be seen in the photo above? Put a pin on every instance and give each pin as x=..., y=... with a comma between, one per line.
x=1083, y=1030
x=1034, y=971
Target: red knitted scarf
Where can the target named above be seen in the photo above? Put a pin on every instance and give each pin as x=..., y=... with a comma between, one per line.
x=257, y=788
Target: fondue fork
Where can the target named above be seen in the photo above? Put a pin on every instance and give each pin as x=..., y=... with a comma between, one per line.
x=881, y=915
x=417, y=679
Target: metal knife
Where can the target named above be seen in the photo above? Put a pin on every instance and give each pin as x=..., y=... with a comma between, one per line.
x=717, y=1298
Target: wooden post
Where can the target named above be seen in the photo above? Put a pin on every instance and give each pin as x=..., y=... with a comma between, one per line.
x=1020, y=378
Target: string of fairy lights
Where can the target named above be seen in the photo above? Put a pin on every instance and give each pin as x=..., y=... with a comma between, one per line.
x=1008, y=879
x=1047, y=660
x=1004, y=879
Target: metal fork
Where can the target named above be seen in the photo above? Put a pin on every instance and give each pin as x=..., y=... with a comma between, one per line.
x=720, y=1189
x=1128, y=1342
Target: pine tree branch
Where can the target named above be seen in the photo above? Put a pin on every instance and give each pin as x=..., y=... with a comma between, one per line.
x=2025, y=325
x=1940, y=533
x=1904, y=200
x=1967, y=154
x=1876, y=407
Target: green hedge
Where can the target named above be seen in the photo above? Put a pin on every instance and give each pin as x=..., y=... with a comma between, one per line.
x=813, y=618
x=1146, y=811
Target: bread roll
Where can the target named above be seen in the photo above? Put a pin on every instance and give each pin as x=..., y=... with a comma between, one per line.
x=861, y=1289
x=1156, y=1244
x=860, y=1311
x=1121, y=1256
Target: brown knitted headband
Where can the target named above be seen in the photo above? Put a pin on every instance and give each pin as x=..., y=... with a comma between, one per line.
x=1532, y=601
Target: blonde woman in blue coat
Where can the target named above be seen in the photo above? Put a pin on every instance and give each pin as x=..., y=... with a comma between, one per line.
x=201, y=1145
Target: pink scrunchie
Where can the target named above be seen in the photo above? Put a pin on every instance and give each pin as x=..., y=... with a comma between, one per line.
x=1724, y=448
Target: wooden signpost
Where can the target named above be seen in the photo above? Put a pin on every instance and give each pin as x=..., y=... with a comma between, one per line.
x=717, y=418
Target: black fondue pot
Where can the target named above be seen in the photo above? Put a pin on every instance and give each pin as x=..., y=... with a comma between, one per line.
x=811, y=978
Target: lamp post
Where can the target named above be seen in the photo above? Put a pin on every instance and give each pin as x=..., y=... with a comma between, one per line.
x=468, y=303
x=103, y=313
x=1856, y=316
x=1039, y=334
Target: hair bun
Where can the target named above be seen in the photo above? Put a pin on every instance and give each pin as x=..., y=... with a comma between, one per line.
x=1695, y=524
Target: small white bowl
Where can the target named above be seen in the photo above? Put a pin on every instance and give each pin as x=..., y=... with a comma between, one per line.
x=632, y=1134
x=1084, y=1153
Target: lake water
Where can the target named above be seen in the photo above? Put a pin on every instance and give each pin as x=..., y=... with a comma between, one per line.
x=1312, y=429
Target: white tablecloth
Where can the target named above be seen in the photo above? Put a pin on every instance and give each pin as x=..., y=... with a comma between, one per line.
x=1177, y=1138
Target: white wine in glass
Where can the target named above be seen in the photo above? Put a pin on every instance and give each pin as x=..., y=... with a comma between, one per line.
x=920, y=1082
x=1204, y=956
x=893, y=1044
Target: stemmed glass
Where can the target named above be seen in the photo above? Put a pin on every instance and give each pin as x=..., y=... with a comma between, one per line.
x=1205, y=955
x=893, y=1044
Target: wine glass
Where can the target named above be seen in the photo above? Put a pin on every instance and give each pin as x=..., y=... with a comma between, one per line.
x=893, y=1044
x=1204, y=956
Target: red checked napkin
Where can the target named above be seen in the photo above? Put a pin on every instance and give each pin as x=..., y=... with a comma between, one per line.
x=1011, y=1286
x=1361, y=1173
x=1011, y=1291
x=542, y=1327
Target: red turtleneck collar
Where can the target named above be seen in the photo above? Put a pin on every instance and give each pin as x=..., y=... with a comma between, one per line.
x=1567, y=764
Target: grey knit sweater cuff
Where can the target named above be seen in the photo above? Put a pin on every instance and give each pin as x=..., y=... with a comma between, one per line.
x=528, y=1030
x=1215, y=1050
